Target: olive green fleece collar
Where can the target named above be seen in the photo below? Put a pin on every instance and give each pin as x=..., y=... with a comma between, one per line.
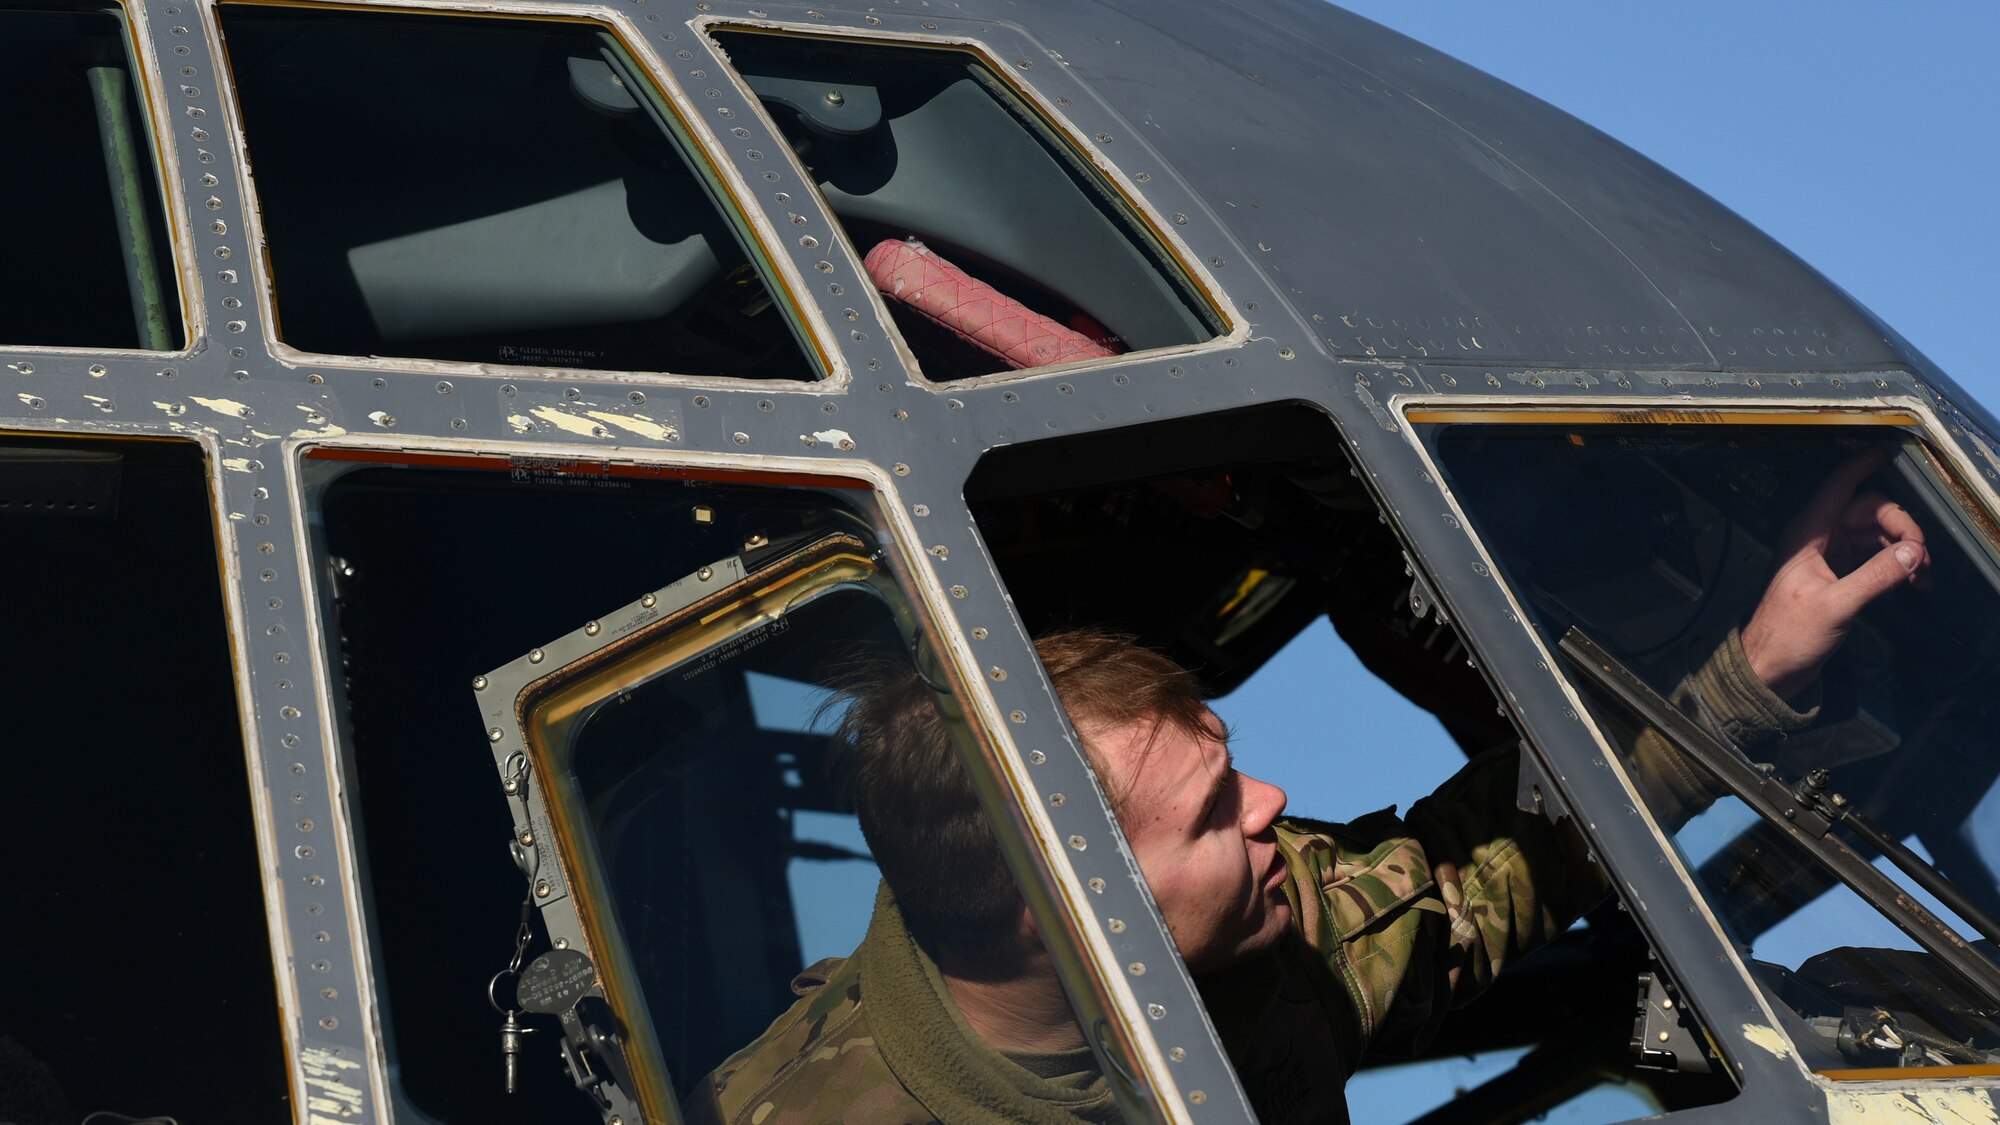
x=937, y=1056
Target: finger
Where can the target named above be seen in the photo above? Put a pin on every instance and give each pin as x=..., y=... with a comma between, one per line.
x=1816, y=522
x=1873, y=516
x=1891, y=567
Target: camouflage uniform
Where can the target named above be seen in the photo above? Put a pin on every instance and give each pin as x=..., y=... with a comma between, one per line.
x=1396, y=921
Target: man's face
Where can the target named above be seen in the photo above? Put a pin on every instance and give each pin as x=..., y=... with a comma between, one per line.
x=1202, y=834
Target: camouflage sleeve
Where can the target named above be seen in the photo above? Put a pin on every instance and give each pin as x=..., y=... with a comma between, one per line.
x=1728, y=700
x=1415, y=915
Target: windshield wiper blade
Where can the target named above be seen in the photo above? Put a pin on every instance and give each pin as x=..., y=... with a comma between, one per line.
x=1804, y=814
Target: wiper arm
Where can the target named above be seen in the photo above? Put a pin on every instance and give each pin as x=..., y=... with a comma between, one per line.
x=1807, y=814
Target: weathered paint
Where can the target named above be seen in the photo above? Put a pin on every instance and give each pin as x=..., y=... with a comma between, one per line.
x=237, y=464
x=637, y=424
x=1909, y=1107
x=330, y=1098
x=839, y=438
x=565, y=421
x=1767, y=1038
x=228, y=406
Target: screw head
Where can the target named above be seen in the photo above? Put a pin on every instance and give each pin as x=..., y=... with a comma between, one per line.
x=835, y=98
x=479, y=683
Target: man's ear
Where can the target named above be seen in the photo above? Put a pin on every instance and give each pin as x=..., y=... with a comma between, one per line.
x=1031, y=934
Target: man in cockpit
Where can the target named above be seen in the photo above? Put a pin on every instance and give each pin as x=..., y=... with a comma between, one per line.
x=1313, y=943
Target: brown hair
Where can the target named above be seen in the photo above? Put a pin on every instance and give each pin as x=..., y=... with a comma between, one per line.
x=895, y=755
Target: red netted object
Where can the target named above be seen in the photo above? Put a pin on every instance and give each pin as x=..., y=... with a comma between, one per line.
x=909, y=273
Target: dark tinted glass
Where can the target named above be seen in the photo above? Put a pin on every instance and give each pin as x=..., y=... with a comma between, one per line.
x=492, y=191
x=1028, y=255
x=94, y=267
x=137, y=923
x=1656, y=543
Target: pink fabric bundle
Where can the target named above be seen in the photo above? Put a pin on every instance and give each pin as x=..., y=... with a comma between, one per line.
x=910, y=274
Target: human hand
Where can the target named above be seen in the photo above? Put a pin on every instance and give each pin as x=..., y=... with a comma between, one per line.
x=1839, y=554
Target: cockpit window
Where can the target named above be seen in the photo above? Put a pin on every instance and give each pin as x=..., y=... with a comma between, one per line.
x=1658, y=546
x=493, y=191
x=675, y=657
x=996, y=244
x=103, y=274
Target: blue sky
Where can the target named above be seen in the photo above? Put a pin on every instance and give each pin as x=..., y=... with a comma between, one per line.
x=1860, y=135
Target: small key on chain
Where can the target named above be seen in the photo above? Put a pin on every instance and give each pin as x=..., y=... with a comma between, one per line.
x=510, y=1048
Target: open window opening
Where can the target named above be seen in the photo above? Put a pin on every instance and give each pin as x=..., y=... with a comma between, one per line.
x=104, y=272
x=520, y=195
x=1654, y=543
x=668, y=653
x=126, y=780
x=1233, y=560
x=997, y=246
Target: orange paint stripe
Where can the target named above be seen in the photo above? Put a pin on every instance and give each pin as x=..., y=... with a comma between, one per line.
x=585, y=467
x=1908, y=1074
x=1660, y=416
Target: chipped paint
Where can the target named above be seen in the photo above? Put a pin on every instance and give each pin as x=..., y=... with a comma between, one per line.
x=521, y=423
x=637, y=424
x=100, y=402
x=1910, y=1107
x=323, y=431
x=26, y=398
x=227, y=406
x=838, y=438
x=565, y=421
x=236, y=464
x=330, y=1098
x=1768, y=1039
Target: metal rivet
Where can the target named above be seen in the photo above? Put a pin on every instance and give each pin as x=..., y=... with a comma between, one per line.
x=1667, y=1005
x=941, y=551
x=1057, y=799
x=979, y=634
x=1177, y=1054
x=920, y=510
x=1116, y=925
x=543, y=890
x=1018, y=716
x=534, y=656
x=1664, y=1037
x=328, y=1022
x=592, y=628
x=1197, y=1097
x=1156, y=1011
x=1136, y=968
x=1037, y=757
x=705, y=573
x=649, y=601
x=958, y=591
x=1078, y=842
x=901, y=469
x=479, y=683
x=495, y=735
x=1096, y=884
x=999, y=674
x=740, y=438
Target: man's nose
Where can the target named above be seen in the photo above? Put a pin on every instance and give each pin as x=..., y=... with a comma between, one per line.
x=1262, y=803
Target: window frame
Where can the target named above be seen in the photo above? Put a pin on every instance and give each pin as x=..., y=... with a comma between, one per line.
x=1100, y=984
x=725, y=180
x=1556, y=757
x=1056, y=128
